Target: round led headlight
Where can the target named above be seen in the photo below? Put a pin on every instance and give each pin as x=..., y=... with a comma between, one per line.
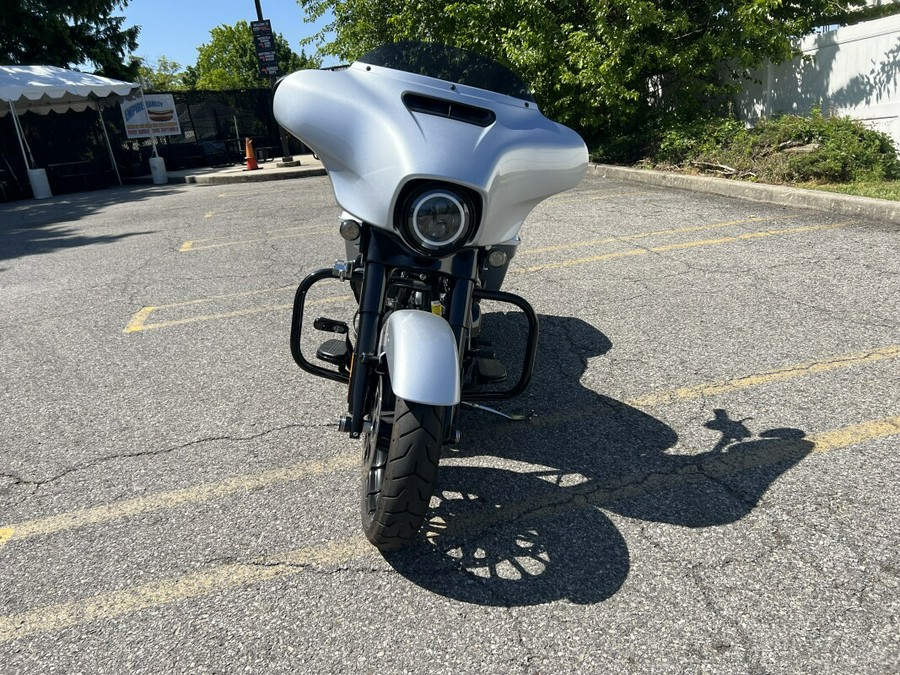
x=437, y=219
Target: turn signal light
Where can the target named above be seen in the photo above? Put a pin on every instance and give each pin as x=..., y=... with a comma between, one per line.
x=350, y=230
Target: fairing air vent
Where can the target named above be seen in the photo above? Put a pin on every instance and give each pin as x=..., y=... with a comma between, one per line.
x=455, y=111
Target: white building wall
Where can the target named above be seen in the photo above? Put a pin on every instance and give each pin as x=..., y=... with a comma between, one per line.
x=853, y=71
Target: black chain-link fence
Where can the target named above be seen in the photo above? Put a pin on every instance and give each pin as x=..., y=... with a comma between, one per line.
x=214, y=125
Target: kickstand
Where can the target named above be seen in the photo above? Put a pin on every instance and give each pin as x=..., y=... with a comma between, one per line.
x=515, y=417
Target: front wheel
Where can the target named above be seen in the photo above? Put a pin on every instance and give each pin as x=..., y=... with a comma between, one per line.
x=402, y=449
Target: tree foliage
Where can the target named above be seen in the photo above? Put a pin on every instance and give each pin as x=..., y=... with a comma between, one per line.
x=609, y=68
x=164, y=75
x=229, y=61
x=67, y=33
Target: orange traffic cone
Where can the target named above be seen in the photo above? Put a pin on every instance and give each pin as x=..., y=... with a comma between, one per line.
x=250, y=155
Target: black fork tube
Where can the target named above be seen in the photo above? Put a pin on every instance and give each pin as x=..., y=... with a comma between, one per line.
x=458, y=316
x=370, y=308
x=460, y=312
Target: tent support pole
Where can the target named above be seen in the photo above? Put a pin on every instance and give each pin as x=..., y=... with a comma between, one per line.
x=152, y=137
x=112, y=157
x=15, y=121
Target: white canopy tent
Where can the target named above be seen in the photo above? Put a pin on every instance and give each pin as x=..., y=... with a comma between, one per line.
x=40, y=89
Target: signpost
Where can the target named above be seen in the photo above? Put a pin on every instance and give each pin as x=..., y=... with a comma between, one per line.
x=264, y=41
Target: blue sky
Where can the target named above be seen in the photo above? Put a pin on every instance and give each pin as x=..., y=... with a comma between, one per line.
x=175, y=28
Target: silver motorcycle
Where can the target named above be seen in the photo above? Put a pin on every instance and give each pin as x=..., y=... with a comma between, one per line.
x=436, y=156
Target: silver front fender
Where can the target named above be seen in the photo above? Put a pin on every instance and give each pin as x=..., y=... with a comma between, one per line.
x=421, y=356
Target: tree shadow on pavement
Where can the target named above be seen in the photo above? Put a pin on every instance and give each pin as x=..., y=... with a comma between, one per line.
x=518, y=517
x=31, y=227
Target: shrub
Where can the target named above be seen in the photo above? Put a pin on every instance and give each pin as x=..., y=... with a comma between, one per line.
x=785, y=149
x=699, y=138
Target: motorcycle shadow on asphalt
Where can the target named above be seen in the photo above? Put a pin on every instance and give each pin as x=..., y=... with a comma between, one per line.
x=519, y=516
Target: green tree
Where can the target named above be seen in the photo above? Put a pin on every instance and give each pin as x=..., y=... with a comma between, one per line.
x=229, y=60
x=609, y=68
x=67, y=33
x=164, y=75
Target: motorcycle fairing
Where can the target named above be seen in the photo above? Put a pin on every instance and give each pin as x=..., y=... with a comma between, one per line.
x=372, y=144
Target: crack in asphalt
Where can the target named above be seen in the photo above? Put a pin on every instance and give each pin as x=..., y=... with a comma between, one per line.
x=732, y=492
x=883, y=322
x=57, y=317
x=755, y=273
x=749, y=656
x=276, y=563
x=595, y=495
x=19, y=480
x=707, y=597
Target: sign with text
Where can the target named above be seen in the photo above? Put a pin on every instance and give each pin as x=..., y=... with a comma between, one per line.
x=264, y=40
x=158, y=119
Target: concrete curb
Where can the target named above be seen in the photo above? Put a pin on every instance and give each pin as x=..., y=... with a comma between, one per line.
x=831, y=202
x=248, y=176
x=847, y=205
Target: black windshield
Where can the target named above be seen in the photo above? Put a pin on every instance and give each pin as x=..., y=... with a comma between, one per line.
x=455, y=65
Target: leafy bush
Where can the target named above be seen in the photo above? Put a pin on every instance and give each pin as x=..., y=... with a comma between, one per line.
x=700, y=138
x=785, y=149
x=622, y=149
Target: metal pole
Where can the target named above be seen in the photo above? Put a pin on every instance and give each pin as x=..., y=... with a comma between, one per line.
x=15, y=120
x=286, y=156
x=112, y=156
x=285, y=152
x=149, y=121
x=187, y=106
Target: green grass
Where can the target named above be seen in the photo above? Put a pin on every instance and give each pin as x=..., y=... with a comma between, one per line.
x=885, y=189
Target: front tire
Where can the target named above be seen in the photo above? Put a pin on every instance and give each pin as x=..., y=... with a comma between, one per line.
x=402, y=450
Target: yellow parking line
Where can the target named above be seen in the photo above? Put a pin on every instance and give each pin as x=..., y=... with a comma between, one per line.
x=191, y=245
x=718, y=388
x=683, y=245
x=857, y=433
x=583, y=197
x=226, y=576
x=641, y=235
x=139, y=321
x=196, y=494
x=134, y=326
x=720, y=465
x=295, y=229
x=725, y=386
x=168, y=591
x=244, y=483
x=227, y=296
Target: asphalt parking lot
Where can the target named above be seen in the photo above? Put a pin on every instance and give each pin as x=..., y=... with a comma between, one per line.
x=707, y=484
